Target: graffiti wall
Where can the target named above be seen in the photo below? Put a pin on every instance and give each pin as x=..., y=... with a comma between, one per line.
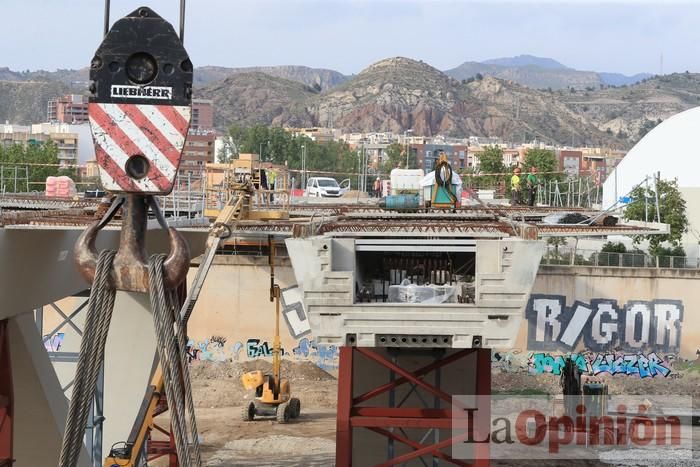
x=624, y=322
x=234, y=319
x=602, y=325
x=641, y=365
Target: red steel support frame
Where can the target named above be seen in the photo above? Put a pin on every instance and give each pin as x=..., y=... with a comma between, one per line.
x=6, y=397
x=380, y=419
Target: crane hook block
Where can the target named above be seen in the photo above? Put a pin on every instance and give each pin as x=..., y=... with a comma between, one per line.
x=140, y=104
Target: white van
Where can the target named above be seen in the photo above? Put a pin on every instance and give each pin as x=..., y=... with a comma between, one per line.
x=325, y=187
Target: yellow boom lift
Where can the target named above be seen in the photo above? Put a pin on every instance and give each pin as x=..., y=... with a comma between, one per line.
x=272, y=392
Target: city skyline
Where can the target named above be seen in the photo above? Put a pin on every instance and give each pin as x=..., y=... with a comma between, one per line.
x=625, y=37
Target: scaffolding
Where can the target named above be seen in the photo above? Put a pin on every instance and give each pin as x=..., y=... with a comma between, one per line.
x=14, y=179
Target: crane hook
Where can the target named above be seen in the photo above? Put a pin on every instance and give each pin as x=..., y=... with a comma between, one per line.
x=130, y=267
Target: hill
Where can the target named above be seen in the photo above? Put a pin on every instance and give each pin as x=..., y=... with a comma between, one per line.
x=25, y=102
x=527, y=60
x=258, y=98
x=314, y=77
x=399, y=93
x=532, y=76
x=542, y=73
x=633, y=110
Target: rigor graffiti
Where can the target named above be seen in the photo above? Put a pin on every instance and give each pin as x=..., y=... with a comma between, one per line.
x=650, y=326
x=641, y=365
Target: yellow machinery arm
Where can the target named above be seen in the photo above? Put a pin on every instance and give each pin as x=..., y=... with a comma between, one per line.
x=128, y=456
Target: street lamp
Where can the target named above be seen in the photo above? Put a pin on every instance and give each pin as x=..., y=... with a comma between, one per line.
x=405, y=141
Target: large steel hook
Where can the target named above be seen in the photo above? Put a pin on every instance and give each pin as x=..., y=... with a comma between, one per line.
x=130, y=268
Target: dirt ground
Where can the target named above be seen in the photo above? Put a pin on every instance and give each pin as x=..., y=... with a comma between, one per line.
x=310, y=440
x=229, y=441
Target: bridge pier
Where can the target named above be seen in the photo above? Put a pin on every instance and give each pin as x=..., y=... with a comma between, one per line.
x=395, y=405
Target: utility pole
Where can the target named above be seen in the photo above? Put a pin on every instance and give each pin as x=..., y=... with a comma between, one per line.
x=405, y=142
x=303, y=167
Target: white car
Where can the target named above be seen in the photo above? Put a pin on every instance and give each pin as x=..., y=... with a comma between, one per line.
x=325, y=187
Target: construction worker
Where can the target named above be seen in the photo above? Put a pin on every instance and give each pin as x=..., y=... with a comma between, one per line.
x=532, y=184
x=515, y=187
x=377, y=188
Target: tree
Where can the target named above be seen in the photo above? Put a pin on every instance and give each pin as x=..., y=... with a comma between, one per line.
x=19, y=156
x=491, y=162
x=395, y=157
x=544, y=160
x=671, y=209
x=614, y=247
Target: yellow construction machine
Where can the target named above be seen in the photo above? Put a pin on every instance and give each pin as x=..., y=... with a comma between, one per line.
x=272, y=392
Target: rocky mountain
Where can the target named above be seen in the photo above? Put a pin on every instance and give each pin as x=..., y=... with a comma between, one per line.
x=527, y=60
x=399, y=93
x=25, y=102
x=532, y=76
x=633, y=110
x=318, y=78
x=258, y=98
x=618, y=79
x=542, y=73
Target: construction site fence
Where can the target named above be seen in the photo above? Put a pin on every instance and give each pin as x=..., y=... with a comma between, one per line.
x=557, y=256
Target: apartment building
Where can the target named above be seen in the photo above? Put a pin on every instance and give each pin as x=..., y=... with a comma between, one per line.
x=71, y=108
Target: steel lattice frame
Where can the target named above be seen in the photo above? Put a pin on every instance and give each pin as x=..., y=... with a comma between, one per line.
x=391, y=421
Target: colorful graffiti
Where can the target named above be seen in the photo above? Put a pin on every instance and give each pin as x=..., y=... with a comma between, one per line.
x=254, y=348
x=641, y=365
x=323, y=355
x=649, y=326
x=215, y=349
x=54, y=343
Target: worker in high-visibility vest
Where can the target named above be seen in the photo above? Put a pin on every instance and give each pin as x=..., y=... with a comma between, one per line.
x=515, y=187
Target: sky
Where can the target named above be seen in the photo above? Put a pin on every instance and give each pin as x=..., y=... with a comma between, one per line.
x=348, y=35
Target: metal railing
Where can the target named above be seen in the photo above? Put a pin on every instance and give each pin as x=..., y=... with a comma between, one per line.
x=568, y=257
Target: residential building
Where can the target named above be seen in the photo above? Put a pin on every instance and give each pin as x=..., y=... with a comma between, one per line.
x=427, y=155
x=198, y=150
x=65, y=137
x=318, y=134
x=14, y=134
x=62, y=136
x=570, y=161
x=202, y=115
x=71, y=108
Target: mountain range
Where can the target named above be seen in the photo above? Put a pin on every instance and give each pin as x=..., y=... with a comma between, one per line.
x=399, y=93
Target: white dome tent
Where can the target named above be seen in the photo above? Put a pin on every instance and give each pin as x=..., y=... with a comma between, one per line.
x=673, y=149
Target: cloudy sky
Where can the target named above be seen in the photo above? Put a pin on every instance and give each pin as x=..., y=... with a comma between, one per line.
x=347, y=35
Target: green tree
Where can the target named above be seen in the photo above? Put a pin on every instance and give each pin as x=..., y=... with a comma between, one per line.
x=395, y=157
x=544, y=160
x=671, y=209
x=40, y=161
x=491, y=160
x=614, y=247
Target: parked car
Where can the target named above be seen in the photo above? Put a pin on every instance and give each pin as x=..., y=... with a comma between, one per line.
x=323, y=187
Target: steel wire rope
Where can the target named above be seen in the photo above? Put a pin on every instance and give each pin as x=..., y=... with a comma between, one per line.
x=173, y=362
x=180, y=328
x=92, y=345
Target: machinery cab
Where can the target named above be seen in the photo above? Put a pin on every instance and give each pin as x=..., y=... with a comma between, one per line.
x=266, y=389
